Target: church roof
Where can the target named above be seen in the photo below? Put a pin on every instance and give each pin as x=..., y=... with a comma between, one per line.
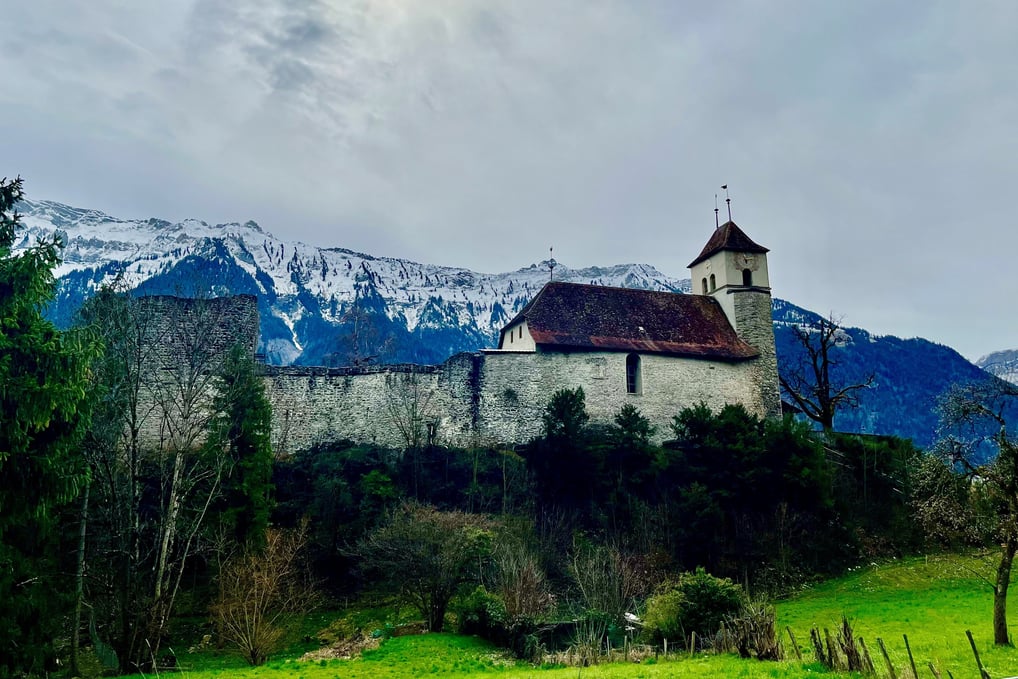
x=728, y=236
x=594, y=317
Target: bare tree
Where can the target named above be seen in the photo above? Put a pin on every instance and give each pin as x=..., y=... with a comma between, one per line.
x=362, y=343
x=609, y=580
x=975, y=437
x=190, y=472
x=426, y=555
x=260, y=590
x=408, y=404
x=113, y=448
x=809, y=382
x=521, y=582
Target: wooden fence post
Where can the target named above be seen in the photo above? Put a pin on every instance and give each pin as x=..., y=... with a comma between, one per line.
x=911, y=660
x=867, y=661
x=887, y=659
x=795, y=644
x=983, y=674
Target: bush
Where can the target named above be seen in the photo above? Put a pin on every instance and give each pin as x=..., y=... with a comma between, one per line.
x=483, y=614
x=752, y=633
x=663, y=618
x=696, y=602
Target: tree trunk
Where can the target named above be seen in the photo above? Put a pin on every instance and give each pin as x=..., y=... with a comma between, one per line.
x=436, y=616
x=1000, y=635
x=79, y=590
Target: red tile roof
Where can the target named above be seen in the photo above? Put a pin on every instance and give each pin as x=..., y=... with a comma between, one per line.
x=592, y=317
x=728, y=236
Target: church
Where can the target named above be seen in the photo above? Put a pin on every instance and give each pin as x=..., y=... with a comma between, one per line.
x=659, y=351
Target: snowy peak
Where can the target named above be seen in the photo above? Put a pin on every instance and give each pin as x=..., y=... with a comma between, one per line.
x=1003, y=364
x=304, y=290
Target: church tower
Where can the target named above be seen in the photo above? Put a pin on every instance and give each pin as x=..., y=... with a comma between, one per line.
x=732, y=269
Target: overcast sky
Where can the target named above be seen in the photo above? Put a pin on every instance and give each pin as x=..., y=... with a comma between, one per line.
x=873, y=146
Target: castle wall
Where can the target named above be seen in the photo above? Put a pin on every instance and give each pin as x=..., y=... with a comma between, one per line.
x=381, y=404
x=491, y=397
x=486, y=398
x=180, y=349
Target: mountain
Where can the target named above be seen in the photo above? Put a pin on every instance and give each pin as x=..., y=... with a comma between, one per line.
x=332, y=306
x=309, y=297
x=1003, y=364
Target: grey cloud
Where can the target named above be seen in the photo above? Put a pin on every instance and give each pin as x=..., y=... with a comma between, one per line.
x=864, y=141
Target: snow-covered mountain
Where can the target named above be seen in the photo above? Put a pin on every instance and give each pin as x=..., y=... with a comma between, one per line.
x=322, y=306
x=1003, y=364
x=306, y=292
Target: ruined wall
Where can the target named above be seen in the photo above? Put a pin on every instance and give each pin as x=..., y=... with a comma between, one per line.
x=182, y=345
x=491, y=397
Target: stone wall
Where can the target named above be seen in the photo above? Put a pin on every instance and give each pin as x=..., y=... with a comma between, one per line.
x=492, y=397
x=753, y=322
x=183, y=343
x=484, y=398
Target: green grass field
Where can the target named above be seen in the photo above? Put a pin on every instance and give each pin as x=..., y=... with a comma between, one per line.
x=931, y=600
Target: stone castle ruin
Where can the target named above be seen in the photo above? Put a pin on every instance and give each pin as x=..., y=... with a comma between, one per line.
x=658, y=351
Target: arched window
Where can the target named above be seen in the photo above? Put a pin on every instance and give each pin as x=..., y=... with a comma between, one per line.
x=704, y=286
x=633, y=381
x=713, y=285
x=747, y=277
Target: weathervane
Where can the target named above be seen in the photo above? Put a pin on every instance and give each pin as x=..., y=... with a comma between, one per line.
x=551, y=264
x=717, y=222
x=728, y=201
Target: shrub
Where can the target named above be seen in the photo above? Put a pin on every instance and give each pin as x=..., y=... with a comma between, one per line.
x=752, y=633
x=482, y=613
x=663, y=618
x=696, y=602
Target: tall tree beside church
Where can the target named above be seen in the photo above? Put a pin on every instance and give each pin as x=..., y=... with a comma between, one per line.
x=813, y=382
x=44, y=407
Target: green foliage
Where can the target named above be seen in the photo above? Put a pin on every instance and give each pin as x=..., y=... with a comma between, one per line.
x=44, y=407
x=751, y=491
x=483, y=614
x=566, y=415
x=243, y=429
x=559, y=461
x=696, y=602
x=663, y=617
x=426, y=556
x=872, y=489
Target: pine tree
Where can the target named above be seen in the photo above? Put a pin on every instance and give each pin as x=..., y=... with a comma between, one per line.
x=43, y=411
x=243, y=428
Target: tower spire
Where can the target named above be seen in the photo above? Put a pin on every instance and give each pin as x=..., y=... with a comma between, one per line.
x=551, y=264
x=717, y=221
x=728, y=201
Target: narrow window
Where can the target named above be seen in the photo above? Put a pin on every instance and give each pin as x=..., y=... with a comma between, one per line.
x=713, y=285
x=704, y=281
x=521, y=332
x=633, y=385
x=747, y=277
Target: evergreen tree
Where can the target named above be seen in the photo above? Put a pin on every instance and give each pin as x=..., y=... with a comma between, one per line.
x=44, y=407
x=244, y=429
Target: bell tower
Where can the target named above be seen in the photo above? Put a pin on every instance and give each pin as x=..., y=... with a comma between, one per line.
x=732, y=269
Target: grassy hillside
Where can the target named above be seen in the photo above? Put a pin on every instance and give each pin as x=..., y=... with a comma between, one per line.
x=933, y=600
